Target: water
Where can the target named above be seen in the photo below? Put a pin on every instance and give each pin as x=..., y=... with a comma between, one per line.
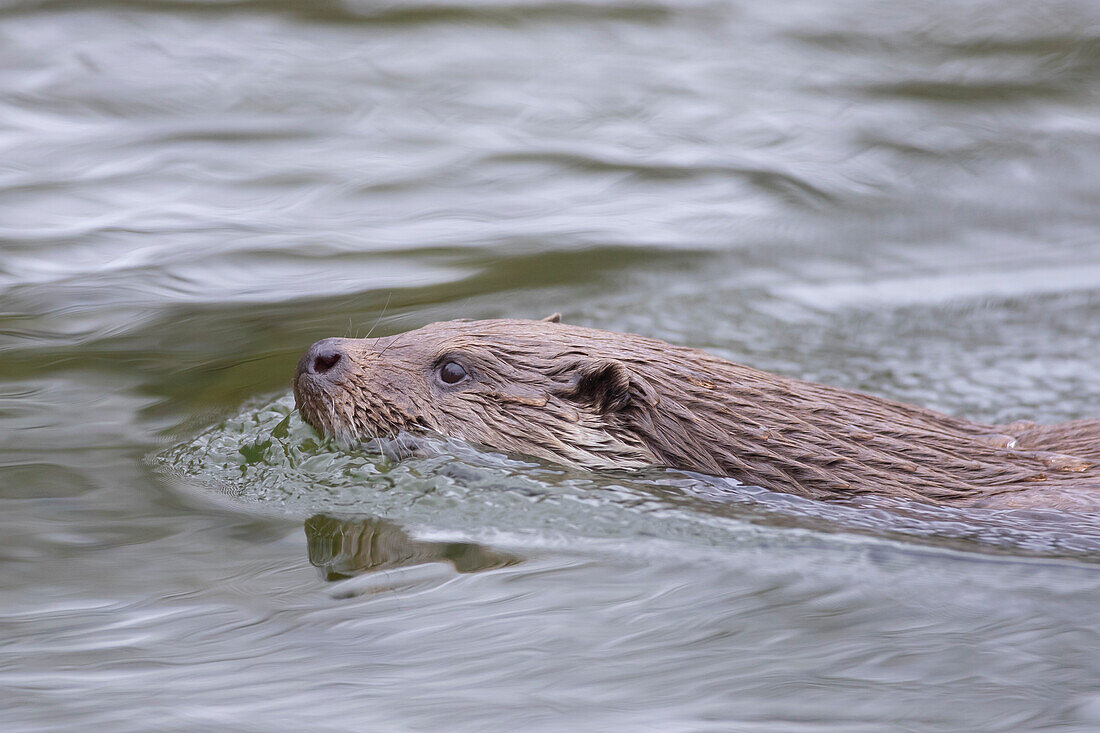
x=885, y=197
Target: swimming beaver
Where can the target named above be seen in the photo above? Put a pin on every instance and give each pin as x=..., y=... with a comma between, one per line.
x=600, y=399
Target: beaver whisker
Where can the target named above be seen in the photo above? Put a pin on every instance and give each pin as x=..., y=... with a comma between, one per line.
x=377, y=440
x=391, y=344
x=377, y=320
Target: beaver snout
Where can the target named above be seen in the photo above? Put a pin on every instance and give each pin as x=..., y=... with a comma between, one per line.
x=325, y=361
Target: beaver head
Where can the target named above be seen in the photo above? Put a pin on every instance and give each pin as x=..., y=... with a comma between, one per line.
x=536, y=387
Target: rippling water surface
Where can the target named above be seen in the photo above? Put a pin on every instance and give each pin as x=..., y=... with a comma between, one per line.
x=889, y=197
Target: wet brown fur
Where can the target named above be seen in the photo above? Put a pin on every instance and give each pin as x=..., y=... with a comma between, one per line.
x=600, y=399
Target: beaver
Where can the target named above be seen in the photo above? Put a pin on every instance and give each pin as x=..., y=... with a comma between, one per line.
x=599, y=399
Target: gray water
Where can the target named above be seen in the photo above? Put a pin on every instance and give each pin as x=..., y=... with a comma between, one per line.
x=892, y=197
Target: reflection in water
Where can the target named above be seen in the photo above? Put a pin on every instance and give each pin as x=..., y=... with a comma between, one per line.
x=342, y=548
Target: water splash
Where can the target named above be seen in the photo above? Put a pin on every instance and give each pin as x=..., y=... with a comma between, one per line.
x=266, y=454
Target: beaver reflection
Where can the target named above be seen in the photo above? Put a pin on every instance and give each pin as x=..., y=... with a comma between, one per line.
x=342, y=548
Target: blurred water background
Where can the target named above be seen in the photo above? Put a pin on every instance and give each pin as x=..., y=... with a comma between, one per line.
x=894, y=197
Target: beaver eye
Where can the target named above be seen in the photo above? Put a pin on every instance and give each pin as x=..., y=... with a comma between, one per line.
x=452, y=372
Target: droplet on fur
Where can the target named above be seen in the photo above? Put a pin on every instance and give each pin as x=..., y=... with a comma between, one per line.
x=998, y=440
x=1062, y=462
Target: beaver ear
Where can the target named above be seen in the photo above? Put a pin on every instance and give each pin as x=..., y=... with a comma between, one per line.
x=608, y=385
x=552, y=318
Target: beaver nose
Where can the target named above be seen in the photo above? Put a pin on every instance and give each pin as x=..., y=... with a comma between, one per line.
x=322, y=357
x=325, y=360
